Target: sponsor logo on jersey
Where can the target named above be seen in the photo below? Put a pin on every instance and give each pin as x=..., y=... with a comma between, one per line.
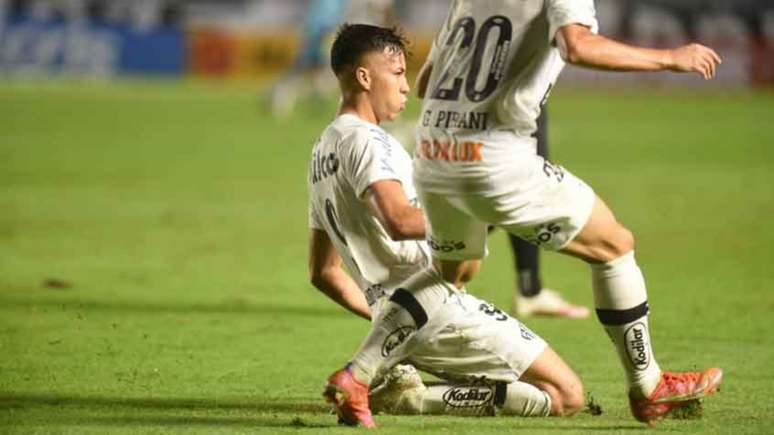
x=450, y=151
x=468, y=397
x=445, y=245
x=322, y=166
x=636, y=337
x=396, y=338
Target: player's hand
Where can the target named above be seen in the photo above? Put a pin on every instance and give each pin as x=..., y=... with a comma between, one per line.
x=695, y=58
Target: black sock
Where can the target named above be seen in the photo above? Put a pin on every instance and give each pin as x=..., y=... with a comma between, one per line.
x=526, y=261
x=525, y=255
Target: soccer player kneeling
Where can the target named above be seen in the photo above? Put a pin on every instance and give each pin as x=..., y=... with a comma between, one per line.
x=363, y=214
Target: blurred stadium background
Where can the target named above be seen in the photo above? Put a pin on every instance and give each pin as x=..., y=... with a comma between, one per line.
x=258, y=38
x=153, y=228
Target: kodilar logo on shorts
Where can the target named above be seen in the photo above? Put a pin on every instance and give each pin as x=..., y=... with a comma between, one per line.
x=396, y=338
x=468, y=397
x=636, y=337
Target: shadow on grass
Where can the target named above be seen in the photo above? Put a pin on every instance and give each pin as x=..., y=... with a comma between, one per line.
x=236, y=308
x=282, y=413
x=170, y=421
x=285, y=413
x=590, y=428
x=25, y=400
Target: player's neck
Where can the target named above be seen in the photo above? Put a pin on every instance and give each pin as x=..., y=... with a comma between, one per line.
x=360, y=106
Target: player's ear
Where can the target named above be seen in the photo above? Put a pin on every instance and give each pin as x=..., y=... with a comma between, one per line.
x=363, y=77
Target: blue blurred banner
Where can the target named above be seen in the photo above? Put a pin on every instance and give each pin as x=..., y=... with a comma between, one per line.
x=59, y=46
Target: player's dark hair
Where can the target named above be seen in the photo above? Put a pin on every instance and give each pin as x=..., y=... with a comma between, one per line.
x=355, y=40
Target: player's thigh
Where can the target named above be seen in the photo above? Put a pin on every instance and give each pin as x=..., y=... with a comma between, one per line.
x=453, y=234
x=602, y=238
x=482, y=342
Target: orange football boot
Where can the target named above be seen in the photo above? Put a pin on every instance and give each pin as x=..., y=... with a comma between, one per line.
x=675, y=390
x=350, y=397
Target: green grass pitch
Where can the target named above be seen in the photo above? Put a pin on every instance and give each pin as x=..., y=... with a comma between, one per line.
x=153, y=259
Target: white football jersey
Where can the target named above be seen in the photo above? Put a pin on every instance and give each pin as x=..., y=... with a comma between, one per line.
x=351, y=155
x=494, y=64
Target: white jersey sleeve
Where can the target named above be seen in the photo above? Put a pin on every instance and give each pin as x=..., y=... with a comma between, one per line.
x=370, y=160
x=315, y=222
x=565, y=12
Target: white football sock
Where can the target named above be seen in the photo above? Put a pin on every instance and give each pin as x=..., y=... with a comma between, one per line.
x=525, y=400
x=622, y=307
x=409, y=316
x=517, y=398
x=457, y=400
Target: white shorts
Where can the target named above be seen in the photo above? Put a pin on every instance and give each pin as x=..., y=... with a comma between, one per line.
x=543, y=203
x=480, y=343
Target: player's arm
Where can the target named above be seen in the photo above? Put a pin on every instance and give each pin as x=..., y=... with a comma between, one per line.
x=329, y=277
x=580, y=46
x=423, y=78
x=401, y=219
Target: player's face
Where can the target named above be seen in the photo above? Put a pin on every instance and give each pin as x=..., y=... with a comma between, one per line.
x=389, y=87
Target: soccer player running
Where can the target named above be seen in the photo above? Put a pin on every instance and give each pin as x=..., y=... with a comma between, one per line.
x=489, y=71
x=363, y=215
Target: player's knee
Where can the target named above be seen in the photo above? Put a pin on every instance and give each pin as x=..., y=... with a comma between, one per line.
x=618, y=243
x=572, y=399
x=470, y=270
x=566, y=398
x=624, y=242
x=458, y=272
x=450, y=275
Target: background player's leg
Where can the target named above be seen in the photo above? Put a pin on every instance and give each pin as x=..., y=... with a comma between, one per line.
x=526, y=255
x=531, y=299
x=526, y=262
x=308, y=74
